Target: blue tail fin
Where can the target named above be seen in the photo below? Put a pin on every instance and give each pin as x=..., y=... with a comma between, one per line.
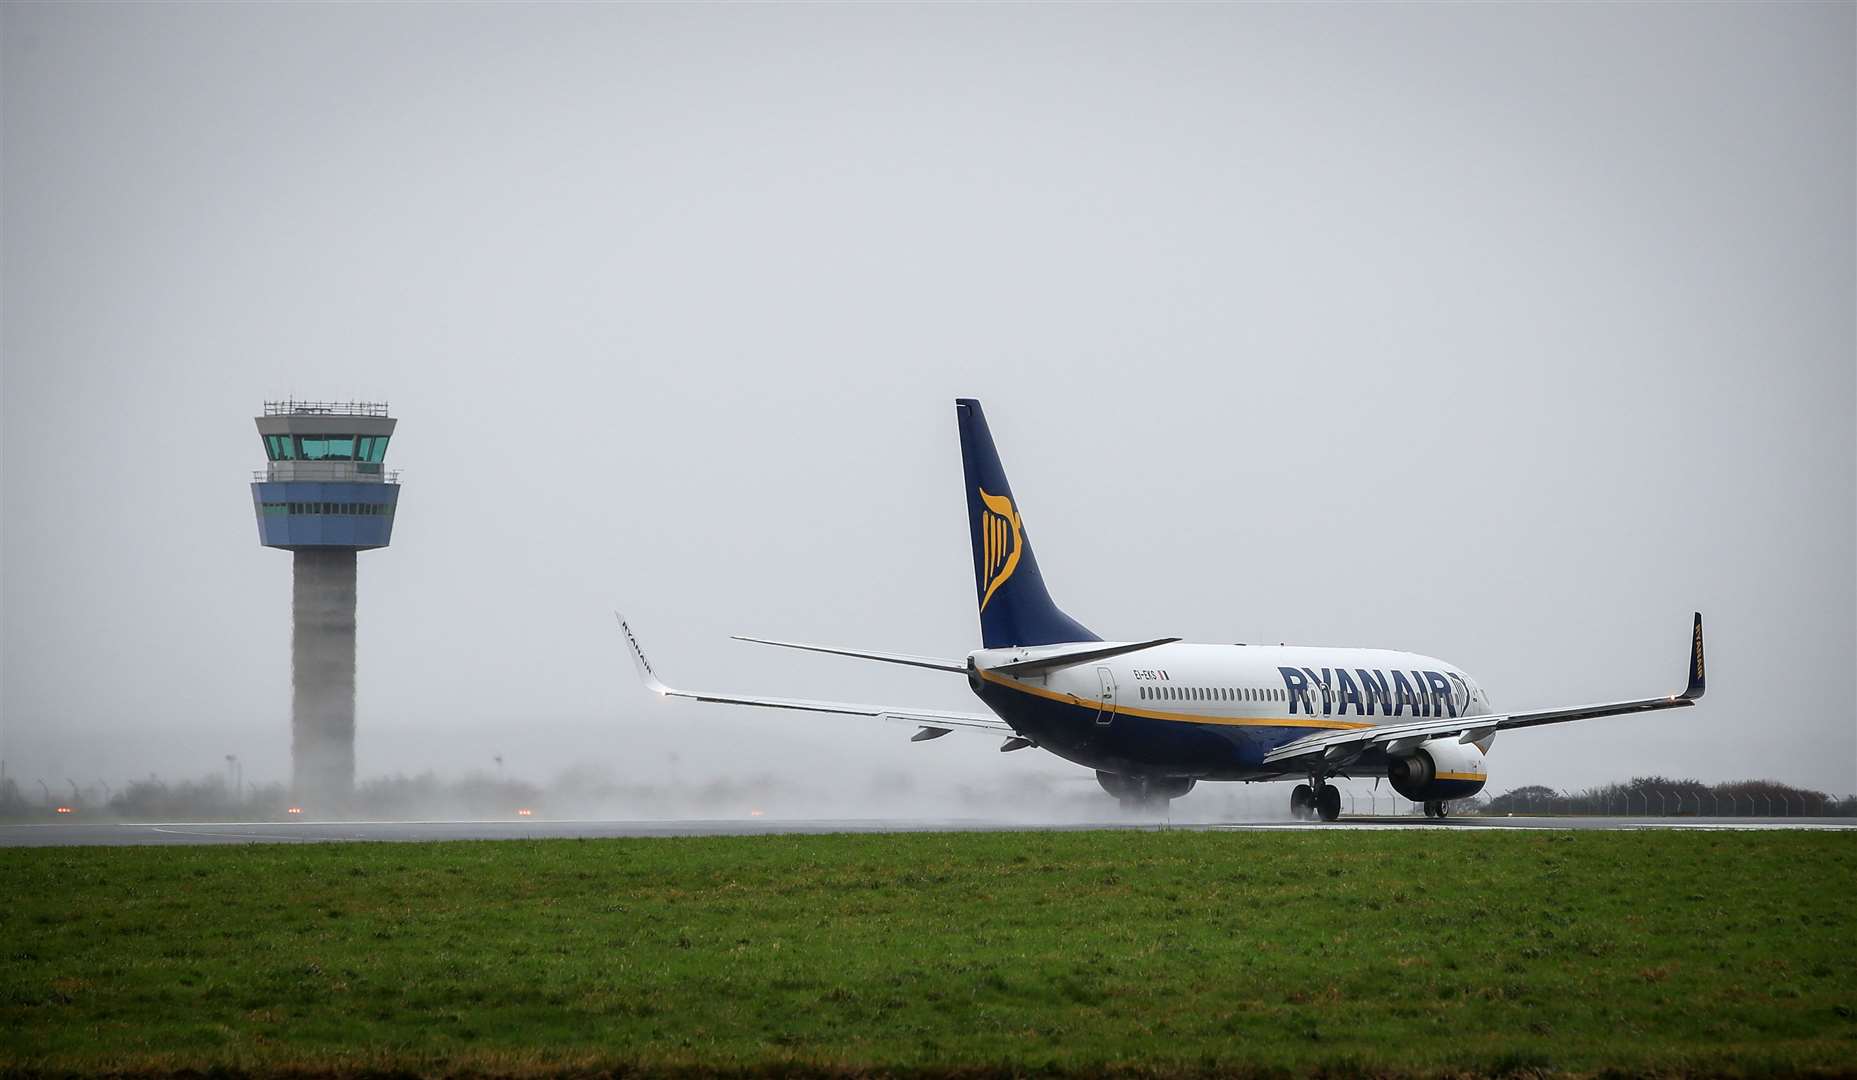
x=1015, y=609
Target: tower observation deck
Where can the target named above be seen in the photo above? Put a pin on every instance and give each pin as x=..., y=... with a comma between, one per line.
x=324, y=495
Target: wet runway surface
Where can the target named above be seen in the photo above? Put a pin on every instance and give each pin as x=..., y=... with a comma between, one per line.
x=303, y=832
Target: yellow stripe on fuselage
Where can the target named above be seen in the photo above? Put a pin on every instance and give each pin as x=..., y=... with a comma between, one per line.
x=1184, y=718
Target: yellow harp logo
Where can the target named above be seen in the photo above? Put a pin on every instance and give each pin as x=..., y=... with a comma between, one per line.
x=999, y=543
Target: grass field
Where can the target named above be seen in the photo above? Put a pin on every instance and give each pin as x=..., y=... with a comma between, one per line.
x=1349, y=952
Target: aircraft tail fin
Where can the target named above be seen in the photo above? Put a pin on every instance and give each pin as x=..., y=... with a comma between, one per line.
x=1015, y=607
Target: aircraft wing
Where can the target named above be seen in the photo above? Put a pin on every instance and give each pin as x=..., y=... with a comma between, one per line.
x=934, y=722
x=1339, y=747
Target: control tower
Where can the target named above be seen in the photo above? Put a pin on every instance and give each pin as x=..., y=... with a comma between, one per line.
x=324, y=495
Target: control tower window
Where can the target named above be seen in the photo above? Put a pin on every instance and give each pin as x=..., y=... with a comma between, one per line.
x=368, y=448
x=325, y=447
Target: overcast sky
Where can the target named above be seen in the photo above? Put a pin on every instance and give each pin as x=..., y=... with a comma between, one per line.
x=1507, y=334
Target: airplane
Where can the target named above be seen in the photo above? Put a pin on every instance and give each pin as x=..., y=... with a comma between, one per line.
x=1153, y=718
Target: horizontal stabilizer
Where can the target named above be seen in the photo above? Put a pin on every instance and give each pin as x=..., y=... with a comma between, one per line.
x=1081, y=656
x=935, y=662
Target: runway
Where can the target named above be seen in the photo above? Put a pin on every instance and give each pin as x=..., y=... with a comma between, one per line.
x=134, y=834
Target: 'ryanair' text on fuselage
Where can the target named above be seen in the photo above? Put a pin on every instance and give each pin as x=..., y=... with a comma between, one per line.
x=1365, y=691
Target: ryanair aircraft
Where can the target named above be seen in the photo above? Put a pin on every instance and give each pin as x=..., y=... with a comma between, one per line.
x=1155, y=717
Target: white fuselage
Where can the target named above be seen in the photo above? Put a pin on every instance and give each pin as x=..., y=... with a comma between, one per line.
x=1213, y=710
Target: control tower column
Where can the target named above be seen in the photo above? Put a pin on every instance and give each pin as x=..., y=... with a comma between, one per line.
x=322, y=673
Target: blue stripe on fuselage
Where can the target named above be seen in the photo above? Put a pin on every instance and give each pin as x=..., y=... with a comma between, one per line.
x=1138, y=745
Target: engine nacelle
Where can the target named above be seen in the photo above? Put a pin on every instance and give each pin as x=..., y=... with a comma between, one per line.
x=1440, y=769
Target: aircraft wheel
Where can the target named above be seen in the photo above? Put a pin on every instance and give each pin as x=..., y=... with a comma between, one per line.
x=1441, y=809
x=1328, y=803
x=1431, y=809
x=1302, y=802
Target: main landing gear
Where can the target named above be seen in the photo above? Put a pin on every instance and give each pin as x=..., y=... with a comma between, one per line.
x=1435, y=808
x=1308, y=802
x=1144, y=795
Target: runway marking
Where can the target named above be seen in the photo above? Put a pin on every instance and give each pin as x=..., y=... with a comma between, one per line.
x=236, y=836
x=59, y=834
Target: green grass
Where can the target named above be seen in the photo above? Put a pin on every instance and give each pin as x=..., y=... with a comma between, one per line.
x=1348, y=952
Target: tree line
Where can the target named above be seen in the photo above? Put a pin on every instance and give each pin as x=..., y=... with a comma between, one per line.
x=1668, y=797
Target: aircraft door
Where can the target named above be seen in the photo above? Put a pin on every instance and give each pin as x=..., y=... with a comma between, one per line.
x=1460, y=693
x=1105, y=701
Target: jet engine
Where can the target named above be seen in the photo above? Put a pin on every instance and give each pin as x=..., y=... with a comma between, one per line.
x=1440, y=769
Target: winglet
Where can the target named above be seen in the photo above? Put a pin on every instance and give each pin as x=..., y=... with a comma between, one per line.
x=1697, y=684
x=645, y=674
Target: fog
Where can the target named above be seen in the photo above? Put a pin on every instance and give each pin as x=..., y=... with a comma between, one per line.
x=1506, y=334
